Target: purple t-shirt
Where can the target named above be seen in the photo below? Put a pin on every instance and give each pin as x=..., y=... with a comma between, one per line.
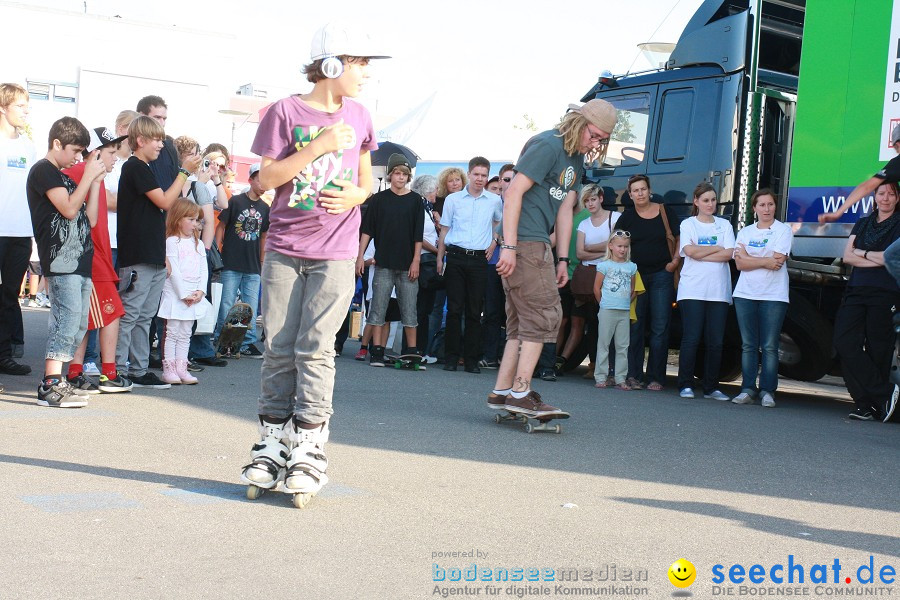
x=299, y=226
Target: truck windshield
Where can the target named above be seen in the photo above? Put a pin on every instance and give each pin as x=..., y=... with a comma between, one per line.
x=629, y=138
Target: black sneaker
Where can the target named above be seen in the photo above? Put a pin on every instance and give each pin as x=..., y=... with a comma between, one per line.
x=548, y=375
x=489, y=364
x=376, y=356
x=861, y=414
x=83, y=384
x=58, y=394
x=11, y=367
x=114, y=386
x=194, y=368
x=891, y=406
x=149, y=380
x=251, y=351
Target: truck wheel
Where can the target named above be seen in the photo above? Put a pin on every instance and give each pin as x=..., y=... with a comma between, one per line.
x=806, y=350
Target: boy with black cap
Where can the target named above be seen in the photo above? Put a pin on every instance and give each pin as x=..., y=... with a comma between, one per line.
x=105, y=305
x=394, y=220
x=62, y=214
x=541, y=194
x=315, y=154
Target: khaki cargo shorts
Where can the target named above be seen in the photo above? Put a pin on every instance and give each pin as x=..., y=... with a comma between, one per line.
x=533, y=310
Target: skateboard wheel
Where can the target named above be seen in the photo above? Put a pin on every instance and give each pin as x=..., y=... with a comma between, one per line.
x=254, y=492
x=529, y=428
x=498, y=419
x=301, y=500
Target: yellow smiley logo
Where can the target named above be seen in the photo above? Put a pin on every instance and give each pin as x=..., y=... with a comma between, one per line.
x=682, y=573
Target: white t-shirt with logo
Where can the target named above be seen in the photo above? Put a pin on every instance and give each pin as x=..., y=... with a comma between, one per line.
x=16, y=158
x=597, y=235
x=700, y=279
x=111, y=181
x=765, y=284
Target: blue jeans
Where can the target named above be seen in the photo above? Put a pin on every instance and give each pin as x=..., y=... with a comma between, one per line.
x=245, y=284
x=70, y=297
x=760, y=322
x=700, y=318
x=653, y=307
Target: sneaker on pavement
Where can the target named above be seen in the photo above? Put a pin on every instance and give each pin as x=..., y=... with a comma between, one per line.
x=114, y=386
x=767, y=400
x=547, y=375
x=194, y=368
x=11, y=367
x=83, y=384
x=149, y=380
x=363, y=354
x=716, y=395
x=531, y=405
x=210, y=361
x=861, y=414
x=251, y=351
x=686, y=393
x=743, y=398
x=488, y=364
x=429, y=360
x=58, y=395
x=91, y=369
x=496, y=401
x=376, y=360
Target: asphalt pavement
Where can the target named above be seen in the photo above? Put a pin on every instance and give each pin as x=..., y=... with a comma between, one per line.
x=138, y=495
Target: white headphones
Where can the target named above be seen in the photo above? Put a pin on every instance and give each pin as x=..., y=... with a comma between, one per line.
x=332, y=67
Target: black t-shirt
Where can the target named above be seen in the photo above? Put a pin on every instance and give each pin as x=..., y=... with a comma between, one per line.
x=142, y=224
x=891, y=171
x=874, y=276
x=244, y=221
x=64, y=245
x=649, y=250
x=396, y=224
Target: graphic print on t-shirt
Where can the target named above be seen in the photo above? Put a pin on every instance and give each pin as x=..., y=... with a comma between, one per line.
x=248, y=224
x=616, y=279
x=69, y=239
x=708, y=240
x=319, y=174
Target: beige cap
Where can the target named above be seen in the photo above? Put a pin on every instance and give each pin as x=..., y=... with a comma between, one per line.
x=599, y=113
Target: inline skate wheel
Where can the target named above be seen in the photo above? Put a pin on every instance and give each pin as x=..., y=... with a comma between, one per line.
x=301, y=500
x=254, y=492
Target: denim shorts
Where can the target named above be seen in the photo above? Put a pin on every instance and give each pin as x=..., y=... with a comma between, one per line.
x=383, y=282
x=70, y=299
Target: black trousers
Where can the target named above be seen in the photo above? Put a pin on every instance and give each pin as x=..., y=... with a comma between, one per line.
x=14, y=255
x=864, y=339
x=465, y=276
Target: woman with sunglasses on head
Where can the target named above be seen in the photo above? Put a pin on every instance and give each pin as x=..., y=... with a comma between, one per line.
x=655, y=254
x=761, y=297
x=863, y=332
x=704, y=291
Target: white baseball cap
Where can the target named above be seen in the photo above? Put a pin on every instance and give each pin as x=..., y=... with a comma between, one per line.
x=343, y=39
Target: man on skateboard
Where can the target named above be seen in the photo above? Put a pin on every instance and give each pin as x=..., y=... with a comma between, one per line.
x=541, y=194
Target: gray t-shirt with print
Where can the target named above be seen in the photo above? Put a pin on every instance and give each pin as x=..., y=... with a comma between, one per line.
x=555, y=173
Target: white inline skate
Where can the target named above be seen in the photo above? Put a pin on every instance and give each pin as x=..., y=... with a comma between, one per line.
x=268, y=458
x=307, y=463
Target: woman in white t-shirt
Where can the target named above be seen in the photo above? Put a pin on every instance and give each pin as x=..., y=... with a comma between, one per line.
x=761, y=297
x=704, y=291
x=591, y=236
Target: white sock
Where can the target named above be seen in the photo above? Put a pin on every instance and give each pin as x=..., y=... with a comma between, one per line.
x=503, y=392
x=520, y=395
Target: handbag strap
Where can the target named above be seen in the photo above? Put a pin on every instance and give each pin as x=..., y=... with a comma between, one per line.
x=670, y=239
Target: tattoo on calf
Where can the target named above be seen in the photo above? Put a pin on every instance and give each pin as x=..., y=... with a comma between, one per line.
x=521, y=384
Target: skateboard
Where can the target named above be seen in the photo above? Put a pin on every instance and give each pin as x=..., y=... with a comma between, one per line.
x=406, y=361
x=237, y=322
x=542, y=423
